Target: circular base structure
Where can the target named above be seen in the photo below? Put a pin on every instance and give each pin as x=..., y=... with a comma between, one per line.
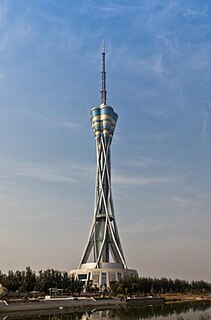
x=101, y=277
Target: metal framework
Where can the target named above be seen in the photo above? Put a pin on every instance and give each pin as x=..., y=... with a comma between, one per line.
x=103, y=241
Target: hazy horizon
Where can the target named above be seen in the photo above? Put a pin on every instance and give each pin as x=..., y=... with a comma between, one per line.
x=158, y=61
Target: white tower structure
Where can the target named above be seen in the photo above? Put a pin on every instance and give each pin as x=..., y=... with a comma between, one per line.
x=103, y=259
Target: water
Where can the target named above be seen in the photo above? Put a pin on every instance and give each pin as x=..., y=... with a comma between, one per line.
x=180, y=311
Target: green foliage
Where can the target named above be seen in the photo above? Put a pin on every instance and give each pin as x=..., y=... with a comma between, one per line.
x=27, y=281
x=146, y=286
x=205, y=317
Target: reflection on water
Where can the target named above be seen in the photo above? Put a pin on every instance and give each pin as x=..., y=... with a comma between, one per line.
x=188, y=310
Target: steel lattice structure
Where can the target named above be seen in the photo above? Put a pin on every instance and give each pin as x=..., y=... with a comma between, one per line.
x=103, y=241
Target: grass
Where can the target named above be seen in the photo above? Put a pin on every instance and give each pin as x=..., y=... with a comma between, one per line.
x=201, y=317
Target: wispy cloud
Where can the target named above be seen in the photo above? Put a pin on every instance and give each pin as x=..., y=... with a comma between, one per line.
x=159, y=64
x=163, y=225
x=195, y=12
x=43, y=172
x=110, y=8
x=71, y=173
x=14, y=33
x=59, y=121
x=180, y=201
x=152, y=64
x=69, y=125
x=205, y=123
x=142, y=161
x=170, y=43
x=204, y=129
x=144, y=181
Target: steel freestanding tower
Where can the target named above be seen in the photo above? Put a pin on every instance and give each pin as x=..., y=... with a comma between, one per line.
x=103, y=259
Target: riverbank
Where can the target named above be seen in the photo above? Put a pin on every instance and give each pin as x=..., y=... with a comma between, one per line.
x=185, y=297
x=80, y=303
x=90, y=303
x=196, y=309
x=76, y=304
x=32, y=309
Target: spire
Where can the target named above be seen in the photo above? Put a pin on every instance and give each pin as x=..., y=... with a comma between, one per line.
x=103, y=77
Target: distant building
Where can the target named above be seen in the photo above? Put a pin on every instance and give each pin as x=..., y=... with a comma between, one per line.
x=103, y=259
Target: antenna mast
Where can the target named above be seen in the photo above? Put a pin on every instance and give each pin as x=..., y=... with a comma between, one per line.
x=103, y=77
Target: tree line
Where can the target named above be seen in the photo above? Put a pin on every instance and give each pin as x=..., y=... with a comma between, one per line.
x=27, y=281
x=146, y=286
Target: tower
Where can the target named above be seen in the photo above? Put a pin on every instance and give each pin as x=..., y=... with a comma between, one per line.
x=103, y=258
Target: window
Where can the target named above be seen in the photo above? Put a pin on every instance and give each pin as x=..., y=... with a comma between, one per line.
x=82, y=276
x=104, y=282
x=119, y=276
x=95, y=278
x=112, y=276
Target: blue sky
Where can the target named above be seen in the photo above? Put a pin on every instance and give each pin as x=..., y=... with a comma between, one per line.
x=158, y=81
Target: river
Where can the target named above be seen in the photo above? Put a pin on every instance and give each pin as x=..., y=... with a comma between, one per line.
x=180, y=311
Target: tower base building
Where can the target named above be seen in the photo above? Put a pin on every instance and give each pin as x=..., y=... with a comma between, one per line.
x=103, y=259
x=102, y=276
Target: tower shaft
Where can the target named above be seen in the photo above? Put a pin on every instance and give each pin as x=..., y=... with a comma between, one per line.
x=104, y=238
